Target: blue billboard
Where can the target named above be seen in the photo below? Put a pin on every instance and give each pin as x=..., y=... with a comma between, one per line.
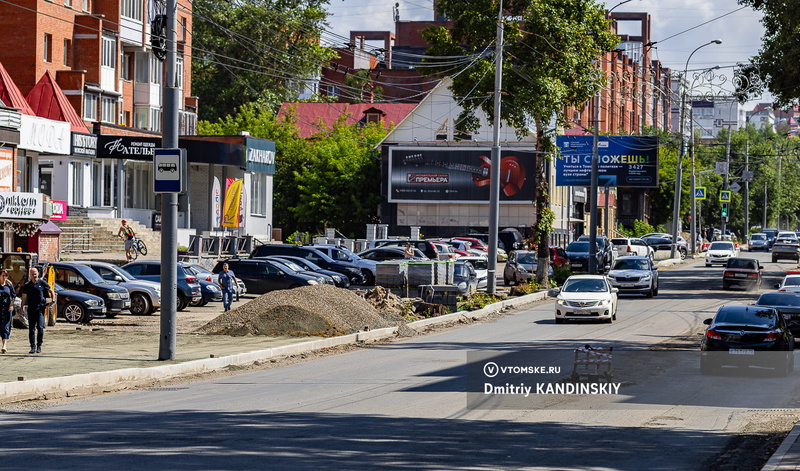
x=624, y=161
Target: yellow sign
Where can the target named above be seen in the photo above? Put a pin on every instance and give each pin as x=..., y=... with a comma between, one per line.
x=233, y=196
x=725, y=196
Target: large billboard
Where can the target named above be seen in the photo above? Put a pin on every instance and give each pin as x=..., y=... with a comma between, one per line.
x=458, y=174
x=624, y=161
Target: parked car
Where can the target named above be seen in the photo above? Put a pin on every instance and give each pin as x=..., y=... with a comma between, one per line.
x=475, y=243
x=349, y=269
x=605, y=248
x=342, y=254
x=382, y=254
x=145, y=295
x=446, y=252
x=204, y=274
x=507, y=239
x=464, y=248
x=586, y=297
x=209, y=290
x=625, y=246
x=339, y=280
x=481, y=267
x=634, y=275
x=262, y=275
x=322, y=278
x=578, y=253
x=558, y=256
x=719, y=252
x=189, y=290
x=465, y=278
x=78, y=307
x=425, y=246
x=789, y=284
x=787, y=304
x=521, y=267
x=79, y=277
x=739, y=333
x=758, y=241
x=742, y=271
x=665, y=243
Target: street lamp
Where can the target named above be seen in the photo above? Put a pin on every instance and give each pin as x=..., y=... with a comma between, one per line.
x=679, y=171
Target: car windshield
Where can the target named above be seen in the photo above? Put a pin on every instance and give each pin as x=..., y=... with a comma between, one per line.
x=636, y=264
x=779, y=299
x=758, y=237
x=528, y=258
x=619, y=241
x=578, y=247
x=742, y=264
x=291, y=264
x=791, y=281
x=584, y=285
x=751, y=315
x=91, y=275
x=721, y=246
x=461, y=270
x=479, y=263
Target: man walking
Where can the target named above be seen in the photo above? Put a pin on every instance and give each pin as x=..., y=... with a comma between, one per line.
x=36, y=296
x=126, y=232
x=227, y=281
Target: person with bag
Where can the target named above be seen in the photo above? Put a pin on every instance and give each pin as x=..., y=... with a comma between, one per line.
x=36, y=297
x=7, y=296
x=126, y=232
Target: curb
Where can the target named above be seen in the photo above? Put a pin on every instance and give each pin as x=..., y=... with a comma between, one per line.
x=776, y=458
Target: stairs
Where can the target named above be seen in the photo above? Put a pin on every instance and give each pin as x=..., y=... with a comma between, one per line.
x=99, y=236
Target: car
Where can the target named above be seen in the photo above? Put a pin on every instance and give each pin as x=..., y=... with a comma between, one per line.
x=475, y=243
x=79, y=277
x=342, y=254
x=742, y=271
x=605, y=247
x=625, y=246
x=739, y=334
x=789, y=284
x=521, y=267
x=189, y=290
x=578, y=253
x=787, y=304
x=339, y=280
x=425, y=246
x=145, y=295
x=204, y=274
x=465, y=278
x=349, y=269
x=719, y=252
x=78, y=307
x=758, y=241
x=658, y=242
x=446, y=252
x=382, y=254
x=481, y=267
x=786, y=237
x=262, y=275
x=558, y=256
x=771, y=235
x=586, y=297
x=508, y=239
x=464, y=248
x=322, y=278
x=785, y=246
x=634, y=274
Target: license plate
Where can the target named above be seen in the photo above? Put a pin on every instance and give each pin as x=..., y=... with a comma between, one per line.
x=741, y=351
x=127, y=304
x=625, y=285
x=581, y=312
x=740, y=275
x=577, y=264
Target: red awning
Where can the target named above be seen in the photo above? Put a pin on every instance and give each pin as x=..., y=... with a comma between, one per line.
x=48, y=101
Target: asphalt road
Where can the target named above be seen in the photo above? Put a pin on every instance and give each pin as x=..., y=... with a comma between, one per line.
x=403, y=405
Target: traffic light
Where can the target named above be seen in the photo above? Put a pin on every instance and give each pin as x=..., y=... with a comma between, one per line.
x=724, y=210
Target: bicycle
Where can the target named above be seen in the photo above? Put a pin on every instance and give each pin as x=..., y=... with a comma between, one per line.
x=139, y=247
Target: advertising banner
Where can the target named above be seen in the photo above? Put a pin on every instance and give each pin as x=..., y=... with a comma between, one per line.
x=216, y=204
x=233, y=204
x=59, y=210
x=458, y=174
x=6, y=169
x=625, y=161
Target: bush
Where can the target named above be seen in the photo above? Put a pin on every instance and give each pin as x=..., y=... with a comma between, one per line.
x=477, y=301
x=560, y=274
x=525, y=288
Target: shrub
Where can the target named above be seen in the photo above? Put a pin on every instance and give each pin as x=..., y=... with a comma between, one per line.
x=477, y=301
x=560, y=274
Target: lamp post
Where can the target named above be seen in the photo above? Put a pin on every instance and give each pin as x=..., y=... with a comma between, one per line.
x=679, y=171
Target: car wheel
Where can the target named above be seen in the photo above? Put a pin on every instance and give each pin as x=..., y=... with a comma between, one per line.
x=650, y=293
x=655, y=291
x=774, y=260
x=202, y=302
x=74, y=313
x=182, y=302
x=682, y=254
x=140, y=304
x=369, y=278
x=608, y=321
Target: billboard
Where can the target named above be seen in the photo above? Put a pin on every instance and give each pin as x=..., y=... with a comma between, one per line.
x=624, y=161
x=460, y=174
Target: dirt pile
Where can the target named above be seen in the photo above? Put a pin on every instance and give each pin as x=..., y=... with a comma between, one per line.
x=384, y=300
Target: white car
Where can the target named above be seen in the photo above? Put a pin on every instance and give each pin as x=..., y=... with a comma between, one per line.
x=481, y=266
x=719, y=252
x=789, y=284
x=625, y=246
x=786, y=237
x=586, y=297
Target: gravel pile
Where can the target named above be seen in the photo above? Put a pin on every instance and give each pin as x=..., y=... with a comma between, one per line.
x=310, y=310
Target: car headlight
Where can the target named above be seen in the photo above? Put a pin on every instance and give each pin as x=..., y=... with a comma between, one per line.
x=114, y=296
x=647, y=277
x=605, y=302
x=611, y=277
x=337, y=278
x=312, y=282
x=354, y=271
x=94, y=302
x=212, y=288
x=561, y=302
x=462, y=285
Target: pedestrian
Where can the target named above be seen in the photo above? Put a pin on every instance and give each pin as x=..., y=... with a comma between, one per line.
x=7, y=296
x=36, y=297
x=127, y=233
x=227, y=281
x=699, y=241
x=408, y=252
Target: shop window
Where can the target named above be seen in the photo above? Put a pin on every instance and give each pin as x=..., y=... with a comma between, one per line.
x=258, y=194
x=103, y=183
x=77, y=183
x=139, y=185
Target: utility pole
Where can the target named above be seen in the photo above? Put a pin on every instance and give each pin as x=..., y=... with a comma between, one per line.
x=593, y=188
x=727, y=171
x=693, y=224
x=494, y=182
x=746, y=232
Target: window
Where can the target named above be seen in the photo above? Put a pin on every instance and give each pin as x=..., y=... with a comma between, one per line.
x=139, y=185
x=179, y=73
x=90, y=107
x=156, y=71
x=102, y=183
x=48, y=47
x=373, y=118
x=182, y=29
x=132, y=9
x=155, y=119
x=85, y=5
x=142, y=67
x=126, y=69
x=109, y=52
x=67, y=52
x=108, y=110
x=258, y=193
x=68, y=3
x=77, y=183
x=333, y=91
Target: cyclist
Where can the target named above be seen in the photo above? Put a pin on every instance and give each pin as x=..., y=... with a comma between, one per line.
x=127, y=232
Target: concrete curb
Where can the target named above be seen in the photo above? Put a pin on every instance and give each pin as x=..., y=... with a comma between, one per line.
x=787, y=443
x=480, y=313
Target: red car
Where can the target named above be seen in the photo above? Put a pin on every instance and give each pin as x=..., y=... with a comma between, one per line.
x=558, y=256
x=476, y=243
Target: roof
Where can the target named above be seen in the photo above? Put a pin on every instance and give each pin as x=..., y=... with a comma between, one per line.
x=48, y=101
x=313, y=118
x=10, y=94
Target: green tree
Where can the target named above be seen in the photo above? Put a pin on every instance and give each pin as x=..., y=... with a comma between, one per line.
x=548, y=66
x=254, y=51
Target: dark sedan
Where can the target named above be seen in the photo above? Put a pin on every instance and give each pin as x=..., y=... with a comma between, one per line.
x=262, y=276
x=788, y=304
x=742, y=335
x=578, y=254
x=339, y=280
x=78, y=307
x=665, y=243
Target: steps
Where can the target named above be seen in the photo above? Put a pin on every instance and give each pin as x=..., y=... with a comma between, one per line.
x=99, y=235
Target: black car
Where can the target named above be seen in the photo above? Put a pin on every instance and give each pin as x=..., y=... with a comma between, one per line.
x=262, y=276
x=605, y=246
x=788, y=304
x=79, y=277
x=665, y=243
x=210, y=291
x=746, y=335
x=351, y=270
x=189, y=290
x=771, y=235
x=424, y=246
x=78, y=307
x=382, y=254
x=339, y=280
x=578, y=254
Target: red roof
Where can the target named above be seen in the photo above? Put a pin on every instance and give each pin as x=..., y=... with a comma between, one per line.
x=10, y=94
x=48, y=101
x=313, y=118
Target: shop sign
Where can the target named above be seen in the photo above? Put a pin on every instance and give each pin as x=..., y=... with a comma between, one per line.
x=6, y=169
x=14, y=205
x=125, y=147
x=84, y=145
x=44, y=135
x=59, y=210
x=260, y=156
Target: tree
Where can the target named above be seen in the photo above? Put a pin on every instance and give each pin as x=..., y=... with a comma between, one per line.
x=548, y=65
x=254, y=51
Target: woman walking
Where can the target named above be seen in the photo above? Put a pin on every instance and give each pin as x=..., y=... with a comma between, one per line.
x=7, y=296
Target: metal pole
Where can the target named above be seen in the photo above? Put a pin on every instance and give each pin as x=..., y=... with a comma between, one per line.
x=593, y=189
x=727, y=173
x=693, y=225
x=494, y=183
x=169, y=201
x=605, y=213
x=746, y=189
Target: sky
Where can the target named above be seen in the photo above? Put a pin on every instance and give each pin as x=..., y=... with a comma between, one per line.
x=679, y=26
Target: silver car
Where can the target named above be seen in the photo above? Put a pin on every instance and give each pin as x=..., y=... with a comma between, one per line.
x=145, y=295
x=634, y=275
x=521, y=267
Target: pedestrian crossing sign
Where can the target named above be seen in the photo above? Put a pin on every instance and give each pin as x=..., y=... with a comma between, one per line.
x=725, y=196
x=700, y=193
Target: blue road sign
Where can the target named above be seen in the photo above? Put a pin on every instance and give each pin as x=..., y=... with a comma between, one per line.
x=169, y=167
x=700, y=193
